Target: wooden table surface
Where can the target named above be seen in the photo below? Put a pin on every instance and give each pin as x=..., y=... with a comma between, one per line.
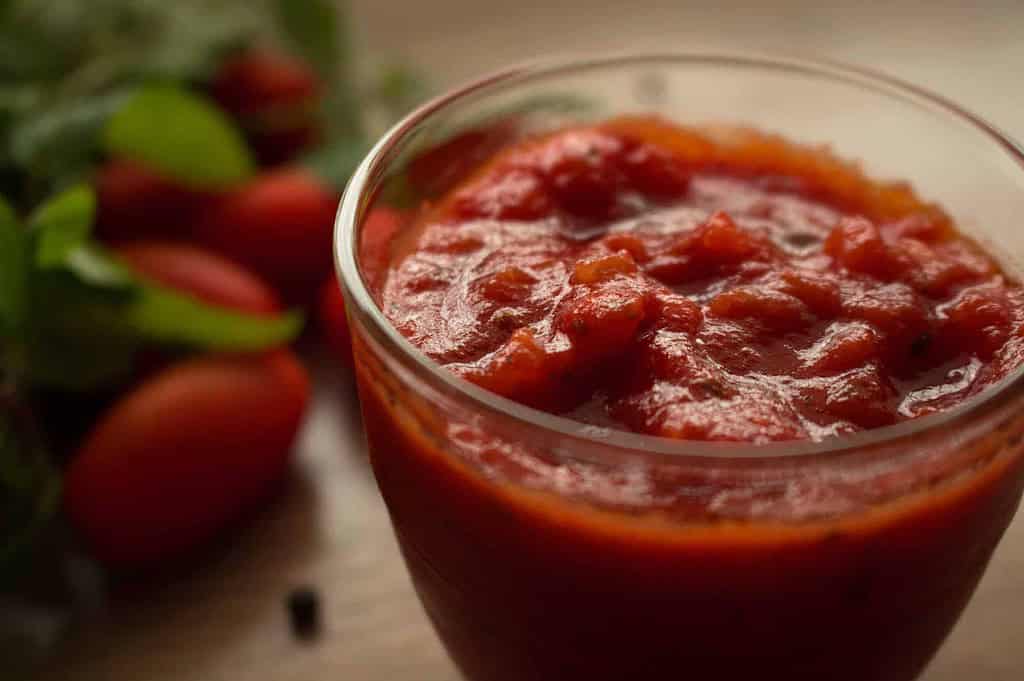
x=227, y=621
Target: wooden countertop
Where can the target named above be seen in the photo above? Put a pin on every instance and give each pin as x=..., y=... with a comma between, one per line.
x=227, y=621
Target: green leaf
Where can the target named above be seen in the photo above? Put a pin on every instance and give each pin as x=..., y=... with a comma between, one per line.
x=62, y=225
x=318, y=31
x=62, y=141
x=15, y=101
x=13, y=271
x=97, y=43
x=76, y=339
x=181, y=134
x=94, y=315
x=32, y=45
x=93, y=265
x=193, y=37
x=168, y=317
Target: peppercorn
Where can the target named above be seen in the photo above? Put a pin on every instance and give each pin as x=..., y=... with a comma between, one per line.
x=304, y=611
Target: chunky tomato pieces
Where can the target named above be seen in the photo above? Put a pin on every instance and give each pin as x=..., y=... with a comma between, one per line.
x=634, y=276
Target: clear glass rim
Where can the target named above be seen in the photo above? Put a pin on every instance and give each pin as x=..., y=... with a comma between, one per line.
x=349, y=274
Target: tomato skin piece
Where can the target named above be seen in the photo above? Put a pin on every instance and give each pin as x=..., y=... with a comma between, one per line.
x=334, y=322
x=134, y=201
x=207, y=276
x=280, y=226
x=185, y=455
x=275, y=98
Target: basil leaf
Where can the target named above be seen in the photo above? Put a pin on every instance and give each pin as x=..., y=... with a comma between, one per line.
x=93, y=315
x=62, y=142
x=92, y=265
x=193, y=37
x=318, y=31
x=62, y=227
x=32, y=45
x=105, y=41
x=181, y=134
x=62, y=224
x=13, y=271
x=95, y=296
x=168, y=317
x=15, y=101
x=76, y=338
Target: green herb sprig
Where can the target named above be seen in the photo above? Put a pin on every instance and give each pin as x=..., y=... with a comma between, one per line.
x=83, y=81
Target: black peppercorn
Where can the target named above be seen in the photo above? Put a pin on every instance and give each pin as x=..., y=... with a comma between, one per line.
x=304, y=611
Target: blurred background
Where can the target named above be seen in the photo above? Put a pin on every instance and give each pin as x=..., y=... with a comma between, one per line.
x=224, y=619
x=970, y=52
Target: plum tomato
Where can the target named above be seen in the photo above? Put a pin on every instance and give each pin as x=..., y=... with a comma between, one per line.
x=280, y=226
x=135, y=201
x=184, y=456
x=207, y=276
x=275, y=98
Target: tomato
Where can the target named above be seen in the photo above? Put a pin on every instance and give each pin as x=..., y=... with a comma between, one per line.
x=333, y=322
x=205, y=275
x=185, y=455
x=136, y=201
x=280, y=226
x=276, y=99
x=259, y=79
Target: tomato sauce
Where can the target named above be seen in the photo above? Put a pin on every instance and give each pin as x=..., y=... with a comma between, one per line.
x=733, y=304
x=716, y=285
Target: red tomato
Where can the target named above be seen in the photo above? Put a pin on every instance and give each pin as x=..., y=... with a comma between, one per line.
x=185, y=455
x=275, y=97
x=257, y=79
x=333, y=322
x=280, y=226
x=135, y=201
x=207, y=276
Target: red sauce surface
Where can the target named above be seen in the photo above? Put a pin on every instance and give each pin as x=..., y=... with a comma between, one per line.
x=713, y=285
x=643, y=276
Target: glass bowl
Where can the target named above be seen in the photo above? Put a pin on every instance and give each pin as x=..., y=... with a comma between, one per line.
x=544, y=549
